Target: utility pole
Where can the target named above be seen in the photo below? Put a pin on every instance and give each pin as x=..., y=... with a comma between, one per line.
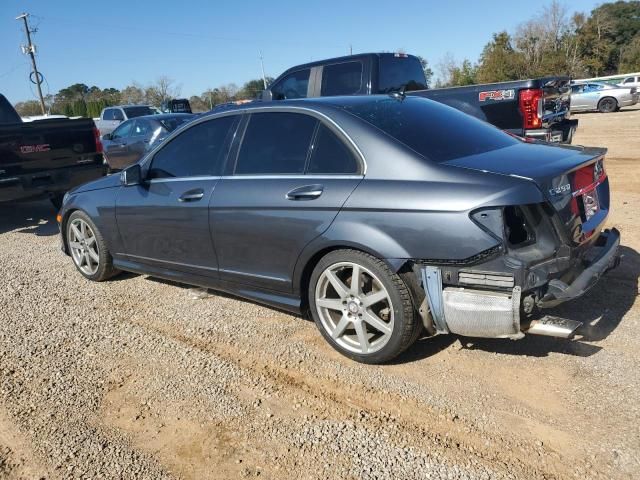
x=264, y=79
x=30, y=49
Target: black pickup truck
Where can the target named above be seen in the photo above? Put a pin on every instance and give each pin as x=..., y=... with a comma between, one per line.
x=46, y=158
x=537, y=108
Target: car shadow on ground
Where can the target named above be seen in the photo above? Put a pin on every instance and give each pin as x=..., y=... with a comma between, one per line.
x=38, y=218
x=601, y=310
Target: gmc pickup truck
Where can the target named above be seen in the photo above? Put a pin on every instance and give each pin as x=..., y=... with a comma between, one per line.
x=536, y=108
x=46, y=158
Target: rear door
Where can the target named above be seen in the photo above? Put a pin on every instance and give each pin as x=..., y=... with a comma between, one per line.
x=139, y=139
x=291, y=176
x=165, y=221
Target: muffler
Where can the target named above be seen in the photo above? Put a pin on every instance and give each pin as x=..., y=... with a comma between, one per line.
x=554, y=327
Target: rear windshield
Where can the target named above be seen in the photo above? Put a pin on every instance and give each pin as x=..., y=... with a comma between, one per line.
x=170, y=124
x=133, y=112
x=433, y=130
x=394, y=72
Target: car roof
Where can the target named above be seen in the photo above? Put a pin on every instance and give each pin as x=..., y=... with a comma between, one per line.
x=345, y=58
x=333, y=102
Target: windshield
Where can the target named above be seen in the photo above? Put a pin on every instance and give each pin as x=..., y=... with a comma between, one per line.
x=170, y=124
x=433, y=130
x=133, y=112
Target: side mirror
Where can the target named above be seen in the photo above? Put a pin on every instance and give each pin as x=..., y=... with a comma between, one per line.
x=267, y=95
x=107, y=136
x=131, y=175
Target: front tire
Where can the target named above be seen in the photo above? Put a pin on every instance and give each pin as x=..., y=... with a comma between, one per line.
x=88, y=249
x=362, y=308
x=607, y=105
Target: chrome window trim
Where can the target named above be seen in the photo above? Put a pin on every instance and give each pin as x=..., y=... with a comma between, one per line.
x=276, y=108
x=256, y=177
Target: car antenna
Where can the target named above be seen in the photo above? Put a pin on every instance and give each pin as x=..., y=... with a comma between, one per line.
x=400, y=94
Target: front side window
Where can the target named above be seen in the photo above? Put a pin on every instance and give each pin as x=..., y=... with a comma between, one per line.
x=109, y=114
x=330, y=155
x=275, y=143
x=294, y=85
x=122, y=131
x=629, y=80
x=197, y=151
x=341, y=79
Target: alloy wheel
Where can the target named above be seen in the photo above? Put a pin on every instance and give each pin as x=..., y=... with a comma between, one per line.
x=84, y=247
x=354, y=307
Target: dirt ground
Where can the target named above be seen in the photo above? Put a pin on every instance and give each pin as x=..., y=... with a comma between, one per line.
x=141, y=378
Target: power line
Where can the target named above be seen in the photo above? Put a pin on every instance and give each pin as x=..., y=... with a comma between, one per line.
x=35, y=77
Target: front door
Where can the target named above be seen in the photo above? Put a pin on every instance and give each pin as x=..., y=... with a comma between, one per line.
x=164, y=222
x=292, y=176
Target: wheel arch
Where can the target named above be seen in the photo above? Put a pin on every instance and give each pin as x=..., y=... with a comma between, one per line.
x=310, y=258
x=609, y=97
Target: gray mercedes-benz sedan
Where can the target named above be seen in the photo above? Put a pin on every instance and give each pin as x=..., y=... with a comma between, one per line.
x=385, y=217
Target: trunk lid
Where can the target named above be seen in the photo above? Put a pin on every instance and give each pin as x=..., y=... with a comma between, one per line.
x=571, y=178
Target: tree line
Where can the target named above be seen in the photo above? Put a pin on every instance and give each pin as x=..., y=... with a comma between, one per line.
x=604, y=42
x=555, y=42
x=80, y=100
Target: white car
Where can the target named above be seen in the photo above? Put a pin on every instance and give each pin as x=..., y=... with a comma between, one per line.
x=631, y=81
x=601, y=97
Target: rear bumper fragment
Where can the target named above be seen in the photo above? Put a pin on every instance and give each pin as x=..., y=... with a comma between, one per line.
x=606, y=258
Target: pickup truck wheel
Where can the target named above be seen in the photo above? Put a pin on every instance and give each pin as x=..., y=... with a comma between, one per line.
x=362, y=308
x=607, y=105
x=88, y=249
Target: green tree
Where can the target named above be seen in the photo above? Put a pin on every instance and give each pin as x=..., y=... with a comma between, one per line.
x=499, y=61
x=79, y=108
x=605, y=35
x=28, y=108
x=251, y=89
x=630, y=57
x=428, y=72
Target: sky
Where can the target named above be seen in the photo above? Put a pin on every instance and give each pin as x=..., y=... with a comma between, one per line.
x=204, y=44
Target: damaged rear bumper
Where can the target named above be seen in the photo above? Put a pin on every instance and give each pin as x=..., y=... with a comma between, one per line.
x=479, y=312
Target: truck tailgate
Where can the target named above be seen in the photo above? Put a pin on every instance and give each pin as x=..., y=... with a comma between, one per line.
x=27, y=148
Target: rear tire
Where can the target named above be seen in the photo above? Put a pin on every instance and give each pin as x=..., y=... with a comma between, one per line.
x=88, y=249
x=607, y=105
x=372, y=320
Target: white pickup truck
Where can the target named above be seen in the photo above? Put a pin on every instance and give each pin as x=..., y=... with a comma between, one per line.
x=111, y=117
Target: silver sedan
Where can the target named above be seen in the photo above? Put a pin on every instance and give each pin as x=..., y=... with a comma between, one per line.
x=601, y=97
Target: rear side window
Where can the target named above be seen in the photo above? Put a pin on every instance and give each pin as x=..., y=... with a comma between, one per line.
x=275, y=143
x=398, y=71
x=435, y=131
x=133, y=112
x=341, y=79
x=199, y=150
x=330, y=155
x=294, y=85
x=109, y=114
x=142, y=127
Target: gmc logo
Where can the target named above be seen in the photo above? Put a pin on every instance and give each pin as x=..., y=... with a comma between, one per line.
x=45, y=147
x=496, y=95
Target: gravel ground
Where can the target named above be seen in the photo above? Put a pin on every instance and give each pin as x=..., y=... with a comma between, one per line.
x=141, y=378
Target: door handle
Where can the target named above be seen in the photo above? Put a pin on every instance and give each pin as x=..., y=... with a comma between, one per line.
x=307, y=192
x=191, y=195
